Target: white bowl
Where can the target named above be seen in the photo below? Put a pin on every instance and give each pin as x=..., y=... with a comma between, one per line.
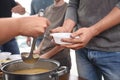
x=58, y=36
x=15, y=57
x=4, y=55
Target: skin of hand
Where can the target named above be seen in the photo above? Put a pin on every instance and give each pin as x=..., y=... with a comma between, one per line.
x=31, y=26
x=85, y=35
x=49, y=53
x=18, y=9
x=52, y=52
x=28, y=41
x=37, y=51
x=44, y=56
x=65, y=28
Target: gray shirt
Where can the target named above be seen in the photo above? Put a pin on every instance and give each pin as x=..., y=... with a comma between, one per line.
x=88, y=12
x=56, y=16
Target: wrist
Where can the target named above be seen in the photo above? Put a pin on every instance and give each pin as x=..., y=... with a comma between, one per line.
x=15, y=24
x=68, y=25
x=20, y=25
x=94, y=30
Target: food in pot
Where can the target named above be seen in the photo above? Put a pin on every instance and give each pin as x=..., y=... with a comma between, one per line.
x=31, y=71
x=52, y=70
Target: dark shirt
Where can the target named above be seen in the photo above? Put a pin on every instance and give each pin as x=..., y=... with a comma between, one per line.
x=5, y=7
x=5, y=11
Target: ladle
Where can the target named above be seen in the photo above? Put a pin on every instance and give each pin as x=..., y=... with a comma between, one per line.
x=30, y=58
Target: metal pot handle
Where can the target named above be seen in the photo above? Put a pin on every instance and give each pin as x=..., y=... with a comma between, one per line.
x=60, y=71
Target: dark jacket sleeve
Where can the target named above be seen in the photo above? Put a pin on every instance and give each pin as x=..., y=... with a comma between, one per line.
x=71, y=12
x=13, y=3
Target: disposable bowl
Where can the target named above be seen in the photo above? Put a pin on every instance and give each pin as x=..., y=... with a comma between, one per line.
x=58, y=36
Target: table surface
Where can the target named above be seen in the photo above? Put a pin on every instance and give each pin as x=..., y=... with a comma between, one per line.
x=70, y=77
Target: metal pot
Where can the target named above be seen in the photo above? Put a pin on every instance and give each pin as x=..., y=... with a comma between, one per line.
x=52, y=65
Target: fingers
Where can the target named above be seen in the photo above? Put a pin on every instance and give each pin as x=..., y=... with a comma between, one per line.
x=28, y=41
x=74, y=46
x=72, y=40
x=41, y=26
x=76, y=34
x=44, y=22
x=18, y=9
x=55, y=30
x=48, y=23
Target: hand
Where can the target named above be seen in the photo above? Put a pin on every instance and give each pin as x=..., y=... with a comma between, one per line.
x=66, y=27
x=37, y=51
x=44, y=56
x=32, y=26
x=28, y=41
x=18, y=9
x=85, y=35
x=58, y=29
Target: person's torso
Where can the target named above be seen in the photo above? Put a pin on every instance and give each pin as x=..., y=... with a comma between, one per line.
x=89, y=13
x=56, y=16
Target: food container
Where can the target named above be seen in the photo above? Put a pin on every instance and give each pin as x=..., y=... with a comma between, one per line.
x=58, y=36
x=53, y=66
x=14, y=57
x=4, y=55
x=3, y=59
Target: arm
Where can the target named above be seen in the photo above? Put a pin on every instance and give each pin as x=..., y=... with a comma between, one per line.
x=70, y=17
x=86, y=34
x=50, y=53
x=71, y=14
x=112, y=19
x=28, y=41
x=8, y=29
x=28, y=26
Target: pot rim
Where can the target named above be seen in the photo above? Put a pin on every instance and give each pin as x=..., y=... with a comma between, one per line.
x=20, y=60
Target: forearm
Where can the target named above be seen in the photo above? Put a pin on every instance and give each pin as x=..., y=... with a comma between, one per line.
x=39, y=47
x=71, y=15
x=8, y=29
x=112, y=19
x=52, y=52
x=69, y=25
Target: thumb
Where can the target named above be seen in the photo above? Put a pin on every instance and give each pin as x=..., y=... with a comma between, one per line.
x=75, y=34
